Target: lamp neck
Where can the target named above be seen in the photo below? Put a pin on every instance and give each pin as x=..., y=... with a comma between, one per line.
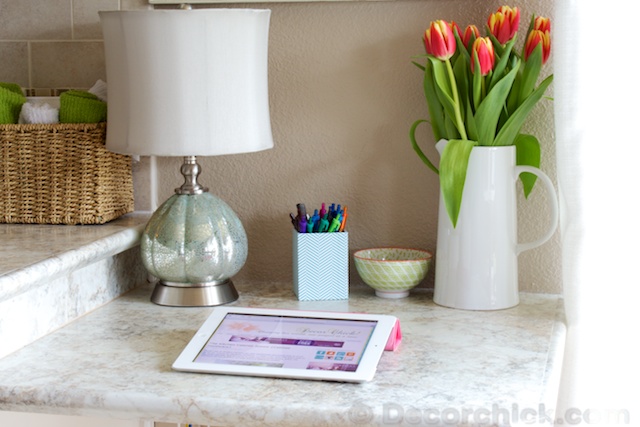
x=190, y=169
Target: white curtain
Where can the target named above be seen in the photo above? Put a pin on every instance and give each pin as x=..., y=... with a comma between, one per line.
x=597, y=115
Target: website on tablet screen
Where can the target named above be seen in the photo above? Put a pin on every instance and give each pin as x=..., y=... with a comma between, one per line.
x=288, y=342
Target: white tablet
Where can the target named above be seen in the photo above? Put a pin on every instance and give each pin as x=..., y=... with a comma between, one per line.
x=310, y=345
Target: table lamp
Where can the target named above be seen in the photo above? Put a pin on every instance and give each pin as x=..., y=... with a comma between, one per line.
x=189, y=83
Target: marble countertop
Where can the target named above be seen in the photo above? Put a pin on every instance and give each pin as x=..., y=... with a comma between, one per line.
x=452, y=367
x=33, y=254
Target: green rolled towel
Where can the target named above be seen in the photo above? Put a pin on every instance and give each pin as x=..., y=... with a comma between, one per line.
x=77, y=106
x=11, y=100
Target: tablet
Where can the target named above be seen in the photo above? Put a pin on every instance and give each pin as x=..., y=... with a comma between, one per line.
x=312, y=345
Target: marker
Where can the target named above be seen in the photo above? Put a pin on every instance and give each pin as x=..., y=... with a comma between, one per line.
x=302, y=211
x=301, y=219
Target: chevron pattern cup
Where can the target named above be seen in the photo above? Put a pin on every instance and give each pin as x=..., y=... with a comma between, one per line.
x=321, y=266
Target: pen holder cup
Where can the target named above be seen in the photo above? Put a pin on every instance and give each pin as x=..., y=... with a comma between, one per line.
x=321, y=266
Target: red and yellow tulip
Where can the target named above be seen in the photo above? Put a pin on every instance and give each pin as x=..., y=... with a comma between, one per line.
x=483, y=49
x=541, y=23
x=439, y=40
x=503, y=24
x=470, y=33
x=537, y=37
x=540, y=34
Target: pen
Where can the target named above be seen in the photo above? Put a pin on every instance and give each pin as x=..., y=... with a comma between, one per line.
x=344, y=219
x=302, y=224
x=324, y=224
x=335, y=224
x=315, y=219
x=310, y=225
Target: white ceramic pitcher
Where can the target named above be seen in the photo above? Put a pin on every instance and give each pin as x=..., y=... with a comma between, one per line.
x=477, y=261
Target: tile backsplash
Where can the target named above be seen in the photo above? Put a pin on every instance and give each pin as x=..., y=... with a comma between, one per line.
x=54, y=45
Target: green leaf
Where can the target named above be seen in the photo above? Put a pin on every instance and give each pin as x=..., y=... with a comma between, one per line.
x=441, y=77
x=527, y=154
x=450, y=128
x=460, y=69
x=489, y=111
x=530, y=73
x=436, y=111
x=460, y=47
x=508, y=133
x=497, y=47
x=512, y=100
x=532, y=22
x=501, y=65
x=453, y=173
x=422, y=67
x=414, y=143
x=472, y=130
x=443, y=90
x=478, y=81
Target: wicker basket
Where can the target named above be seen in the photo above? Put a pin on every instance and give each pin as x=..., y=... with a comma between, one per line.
x=61, y=174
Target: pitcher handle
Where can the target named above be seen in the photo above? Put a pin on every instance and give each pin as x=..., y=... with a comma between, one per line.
x=553, y=207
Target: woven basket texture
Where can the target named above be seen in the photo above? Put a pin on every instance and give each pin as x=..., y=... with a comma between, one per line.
x=61, y=174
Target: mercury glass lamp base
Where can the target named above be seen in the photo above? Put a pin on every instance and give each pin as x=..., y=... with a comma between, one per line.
x=198, y=295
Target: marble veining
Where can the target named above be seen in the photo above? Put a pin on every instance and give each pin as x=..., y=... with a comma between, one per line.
x=116, y=362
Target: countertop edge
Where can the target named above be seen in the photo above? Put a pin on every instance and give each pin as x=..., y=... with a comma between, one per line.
x=33, y=276
x=555, y=358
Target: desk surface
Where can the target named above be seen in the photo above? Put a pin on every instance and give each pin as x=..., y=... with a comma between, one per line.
x=116, y=362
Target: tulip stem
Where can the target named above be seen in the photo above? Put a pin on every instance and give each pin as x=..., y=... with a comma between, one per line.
x=456, y=101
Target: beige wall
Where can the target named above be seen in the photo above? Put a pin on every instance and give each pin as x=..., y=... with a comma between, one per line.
x=343, y=96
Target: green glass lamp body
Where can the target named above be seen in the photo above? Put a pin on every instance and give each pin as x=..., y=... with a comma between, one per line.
x=194, y=243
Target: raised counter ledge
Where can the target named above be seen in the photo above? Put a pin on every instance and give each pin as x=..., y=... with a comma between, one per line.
x=33, y=254
x=116, y=362
x=52, y=274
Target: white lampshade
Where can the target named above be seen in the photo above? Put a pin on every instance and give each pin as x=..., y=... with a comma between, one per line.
x=187, y=82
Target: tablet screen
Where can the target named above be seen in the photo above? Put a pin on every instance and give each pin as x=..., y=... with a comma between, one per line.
x=281, y=343
x=291, y=342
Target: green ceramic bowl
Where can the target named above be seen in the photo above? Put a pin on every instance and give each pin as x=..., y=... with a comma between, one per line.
x=392, y=272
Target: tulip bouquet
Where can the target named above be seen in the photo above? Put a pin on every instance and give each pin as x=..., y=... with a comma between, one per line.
x=479, y=92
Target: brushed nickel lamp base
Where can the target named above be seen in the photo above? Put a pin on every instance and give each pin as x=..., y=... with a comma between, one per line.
x=195, y=295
